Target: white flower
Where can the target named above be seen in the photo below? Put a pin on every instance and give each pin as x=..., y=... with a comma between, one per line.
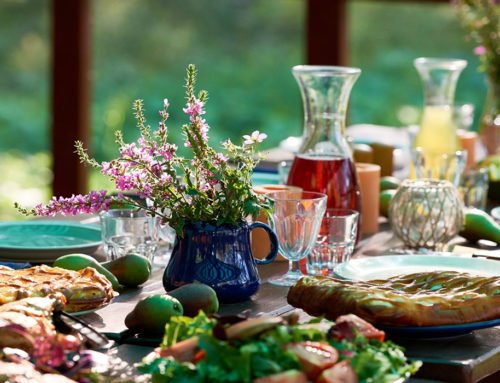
x=256, y=137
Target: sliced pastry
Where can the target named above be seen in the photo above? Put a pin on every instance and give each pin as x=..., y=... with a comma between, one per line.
x=420, y=299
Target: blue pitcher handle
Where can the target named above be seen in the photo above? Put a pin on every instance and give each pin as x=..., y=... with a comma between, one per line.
x=274, y=243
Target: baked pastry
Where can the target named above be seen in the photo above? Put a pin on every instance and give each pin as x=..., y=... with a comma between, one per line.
x=420, y=299
x=33, y=315
x=83, y=290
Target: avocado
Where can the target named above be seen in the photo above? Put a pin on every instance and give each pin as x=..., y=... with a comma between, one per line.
x=131, y=270
x=152, y=313
x=389, y=182
x=80, y=261
x=384, y=200
x=480, y=225
x=195, y=297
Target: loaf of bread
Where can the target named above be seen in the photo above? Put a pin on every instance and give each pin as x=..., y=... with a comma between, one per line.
x=420, y=299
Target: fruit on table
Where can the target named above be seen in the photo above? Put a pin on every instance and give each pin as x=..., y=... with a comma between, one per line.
x=389, y=182
x=384, y=200
x=195, y=297
x=152, y=313
x=493, y=165
x=480, y=225
x=131, y=270
x=80, y=261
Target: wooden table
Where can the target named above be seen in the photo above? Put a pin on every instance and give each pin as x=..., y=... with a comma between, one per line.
x=468, y=359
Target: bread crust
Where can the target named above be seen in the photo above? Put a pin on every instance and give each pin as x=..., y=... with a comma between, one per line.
x=85, y=289
x=420, y=299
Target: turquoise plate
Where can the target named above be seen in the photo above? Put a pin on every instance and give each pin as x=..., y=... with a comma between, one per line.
x=434, y=332
x=44, y=241
x=385, y=266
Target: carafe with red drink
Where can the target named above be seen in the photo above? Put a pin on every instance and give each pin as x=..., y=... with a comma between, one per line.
x=324, y=161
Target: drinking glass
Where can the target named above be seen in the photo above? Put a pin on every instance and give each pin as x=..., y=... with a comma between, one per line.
x=296, y=219
x=335, y=242
x=474, y=188
x=440, y=166
x=126, y=231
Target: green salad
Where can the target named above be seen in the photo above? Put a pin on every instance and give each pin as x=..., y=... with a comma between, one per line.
x=267, y=350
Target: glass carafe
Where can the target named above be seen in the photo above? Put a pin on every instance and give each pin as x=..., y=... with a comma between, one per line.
x=437, y=133
x=324, y=161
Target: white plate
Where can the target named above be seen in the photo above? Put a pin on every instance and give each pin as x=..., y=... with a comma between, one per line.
x=386, y=266
x=495, y=213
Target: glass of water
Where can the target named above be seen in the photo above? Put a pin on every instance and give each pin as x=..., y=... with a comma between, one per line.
x=295, y=218
x=335, y=242
x=127, y=231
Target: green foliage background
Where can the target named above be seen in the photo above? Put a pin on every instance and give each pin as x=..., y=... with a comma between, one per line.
x=244, y=51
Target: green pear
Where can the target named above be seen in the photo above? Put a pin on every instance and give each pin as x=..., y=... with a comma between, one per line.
x=131, y=270
x=195, y=297
x=152, y=313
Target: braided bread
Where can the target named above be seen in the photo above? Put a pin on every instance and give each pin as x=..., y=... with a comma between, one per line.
x=82, y=290
x=420, y=299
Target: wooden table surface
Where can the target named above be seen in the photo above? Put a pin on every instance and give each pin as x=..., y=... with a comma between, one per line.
x=469, y=359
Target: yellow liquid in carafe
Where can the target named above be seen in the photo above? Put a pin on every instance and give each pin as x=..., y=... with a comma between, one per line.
x=437, y=132
x=436, y=136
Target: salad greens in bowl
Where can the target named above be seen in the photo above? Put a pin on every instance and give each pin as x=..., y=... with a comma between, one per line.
x=275, y=349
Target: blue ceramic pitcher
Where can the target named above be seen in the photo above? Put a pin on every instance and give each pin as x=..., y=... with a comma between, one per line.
x=218, y=256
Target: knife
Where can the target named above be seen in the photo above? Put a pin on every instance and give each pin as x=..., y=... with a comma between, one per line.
x=67, y=323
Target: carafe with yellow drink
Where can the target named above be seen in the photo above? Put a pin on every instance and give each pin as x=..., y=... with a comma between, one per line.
x=437, y=134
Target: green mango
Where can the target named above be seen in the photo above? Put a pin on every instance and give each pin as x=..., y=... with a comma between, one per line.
x=389, y=182
x=80, y=261
x=480, y=225
x=384, y=201
x=195, y=297
x=131, y=270
x=151, y=314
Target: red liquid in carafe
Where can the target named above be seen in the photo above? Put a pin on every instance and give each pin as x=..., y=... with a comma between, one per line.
x=333, y=175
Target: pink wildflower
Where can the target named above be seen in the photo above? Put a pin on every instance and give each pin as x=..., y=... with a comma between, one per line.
x=220, y=159
x=203, y=127
x=194, y=109
x=76, y=204
x=479, y=50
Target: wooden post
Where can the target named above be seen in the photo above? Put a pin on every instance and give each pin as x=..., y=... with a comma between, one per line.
x=326, y=32
x=70, y=93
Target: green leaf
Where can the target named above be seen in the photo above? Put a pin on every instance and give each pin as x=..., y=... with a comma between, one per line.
x=181, y=327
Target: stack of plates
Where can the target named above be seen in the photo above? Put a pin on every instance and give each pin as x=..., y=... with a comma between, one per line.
x=44, y=241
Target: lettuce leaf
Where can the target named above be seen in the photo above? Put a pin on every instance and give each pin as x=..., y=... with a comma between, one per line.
x=264, y=354
x=182, y=327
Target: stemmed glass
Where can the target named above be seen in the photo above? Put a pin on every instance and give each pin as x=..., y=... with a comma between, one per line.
x=296, y=219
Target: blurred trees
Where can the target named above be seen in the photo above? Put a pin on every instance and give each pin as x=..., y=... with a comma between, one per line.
x=244, y=51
